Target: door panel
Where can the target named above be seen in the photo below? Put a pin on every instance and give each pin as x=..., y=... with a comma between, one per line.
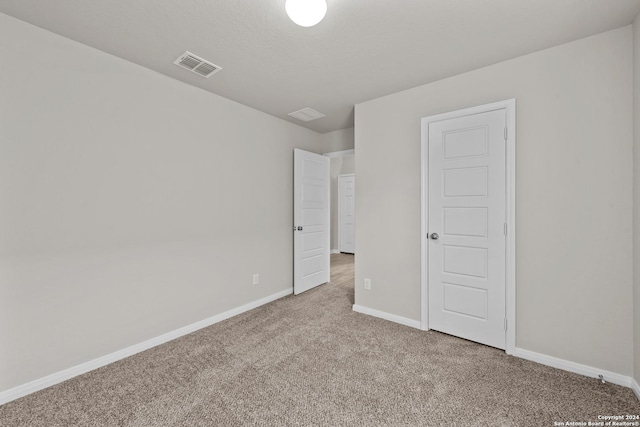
x=346, y=213
x=464, y=182
x=465, y=260
x=465, y=300
x=465, y=221
x=465, y=143
x=467, y=209
x=311, y=220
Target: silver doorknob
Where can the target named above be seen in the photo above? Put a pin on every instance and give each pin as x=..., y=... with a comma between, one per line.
x=435, y=236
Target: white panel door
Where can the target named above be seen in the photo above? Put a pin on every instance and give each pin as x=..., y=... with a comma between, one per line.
x=466, y=227
x=311, y=218
x=346, y=213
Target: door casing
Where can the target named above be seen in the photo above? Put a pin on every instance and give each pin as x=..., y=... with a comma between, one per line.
x=510, y=254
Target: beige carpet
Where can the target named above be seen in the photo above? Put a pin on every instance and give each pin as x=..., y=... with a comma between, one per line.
x=310, y=360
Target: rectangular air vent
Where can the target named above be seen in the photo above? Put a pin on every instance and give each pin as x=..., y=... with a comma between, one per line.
x=306, y=114
x=194, y=63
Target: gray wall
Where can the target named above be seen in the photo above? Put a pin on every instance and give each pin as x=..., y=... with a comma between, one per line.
x=132, y=204
x=574, y=195
x=338, y=140
x=636, y=199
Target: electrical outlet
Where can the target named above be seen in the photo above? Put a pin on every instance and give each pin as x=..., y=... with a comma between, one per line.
x=367, y=284
x=256, y=279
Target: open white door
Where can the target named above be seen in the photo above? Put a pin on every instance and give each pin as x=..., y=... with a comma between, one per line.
x=467, y=222
x=346, y=213
x=311, y=218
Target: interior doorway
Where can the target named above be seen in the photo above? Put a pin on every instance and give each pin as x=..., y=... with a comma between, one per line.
x=342, y=264
x=468, y=224
x=341, y=163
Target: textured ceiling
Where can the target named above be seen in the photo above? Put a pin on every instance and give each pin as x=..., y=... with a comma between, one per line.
x=362, y=50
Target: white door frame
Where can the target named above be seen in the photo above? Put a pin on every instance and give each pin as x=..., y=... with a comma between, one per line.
x=510, y=298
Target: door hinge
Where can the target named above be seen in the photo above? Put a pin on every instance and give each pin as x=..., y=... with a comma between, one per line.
x=505, y=324
x=505, y=134
x=505, y=228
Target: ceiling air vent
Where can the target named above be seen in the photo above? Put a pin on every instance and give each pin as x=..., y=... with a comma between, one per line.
x=306, y=114
x=196, y=64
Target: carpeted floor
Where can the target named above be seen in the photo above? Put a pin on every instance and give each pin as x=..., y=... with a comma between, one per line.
x=310, y=360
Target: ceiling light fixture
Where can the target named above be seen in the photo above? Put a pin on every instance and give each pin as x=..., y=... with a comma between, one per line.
x=306, y=13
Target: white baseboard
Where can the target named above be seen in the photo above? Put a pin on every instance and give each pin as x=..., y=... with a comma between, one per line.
x=387, y=316
x=577, y=368
x=335, y=251
x=635, y=387
x=58, y=377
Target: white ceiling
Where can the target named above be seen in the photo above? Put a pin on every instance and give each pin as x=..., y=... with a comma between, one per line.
x=362, y=50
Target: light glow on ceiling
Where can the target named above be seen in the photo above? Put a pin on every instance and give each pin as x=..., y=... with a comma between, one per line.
x=306, y=13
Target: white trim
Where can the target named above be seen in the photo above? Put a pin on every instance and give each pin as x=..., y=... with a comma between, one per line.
x=511, y=227
x=576, y=368
x=342, y=153
x=387, y=316
x=66, y=374
x=424, y=225
x=510, y=106
x=635, y=387
x=335, y=251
